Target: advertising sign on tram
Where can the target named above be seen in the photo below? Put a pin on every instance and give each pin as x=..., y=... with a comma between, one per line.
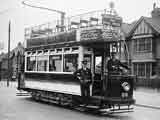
x=92, y=34
x=111, y=26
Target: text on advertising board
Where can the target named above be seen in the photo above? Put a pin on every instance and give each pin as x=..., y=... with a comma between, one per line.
x=92, y=34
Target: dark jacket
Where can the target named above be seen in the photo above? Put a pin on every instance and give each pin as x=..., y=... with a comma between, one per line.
x=114, y=66
x=83, y=75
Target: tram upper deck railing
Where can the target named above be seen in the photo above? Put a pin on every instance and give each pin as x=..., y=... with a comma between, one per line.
x=99, y=25
x=82, y=21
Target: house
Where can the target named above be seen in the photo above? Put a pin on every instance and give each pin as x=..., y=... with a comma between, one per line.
x=143, y=40
x=16, y=62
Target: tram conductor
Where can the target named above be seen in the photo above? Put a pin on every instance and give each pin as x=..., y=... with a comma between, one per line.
x=84, y=75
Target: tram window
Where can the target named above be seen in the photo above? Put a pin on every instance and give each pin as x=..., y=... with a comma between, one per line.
x=39, y=53
x=34, y=53
x=88, y=58
x=59, y=50
x=28, y=53
x=52, y=51
x=31, y=63
x=42, y=63
x=45, y=52
x=75, y=49
x=55, y=63
x=70, y=62
x=98, y=64
x=66, y=49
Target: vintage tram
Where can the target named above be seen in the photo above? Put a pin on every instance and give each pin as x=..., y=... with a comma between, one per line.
x=51, y=58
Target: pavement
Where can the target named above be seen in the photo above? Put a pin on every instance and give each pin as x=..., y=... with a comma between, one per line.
x=147, y=97
x=144, y=97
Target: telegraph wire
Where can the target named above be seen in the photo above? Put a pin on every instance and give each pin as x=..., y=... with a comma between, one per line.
x=40, y=7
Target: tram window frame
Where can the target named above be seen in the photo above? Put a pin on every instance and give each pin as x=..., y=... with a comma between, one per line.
x=59, y=50
x=97, y=64
x=45, y=52
x=75, y=49
x=51, y=52
x=54, y=68
x=74, y=66
x=66, y=50
x=31, y=66
x=89, y=61
x=29, y=53
x=34, y=53
x=42, y=64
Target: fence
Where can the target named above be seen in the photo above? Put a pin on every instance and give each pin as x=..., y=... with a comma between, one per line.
x=148, y=82
x=12, y=84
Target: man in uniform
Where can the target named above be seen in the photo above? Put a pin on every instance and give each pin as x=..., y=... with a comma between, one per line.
x=84, y=75
x=114, y=68
x=114, y=65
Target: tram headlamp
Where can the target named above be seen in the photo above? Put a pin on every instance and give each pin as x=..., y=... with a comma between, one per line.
x=126, y=86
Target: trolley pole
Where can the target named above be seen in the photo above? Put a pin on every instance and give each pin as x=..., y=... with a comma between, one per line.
x=9, y=31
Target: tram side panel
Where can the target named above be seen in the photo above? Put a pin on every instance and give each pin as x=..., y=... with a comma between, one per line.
x=60, y=83
x=120, y=88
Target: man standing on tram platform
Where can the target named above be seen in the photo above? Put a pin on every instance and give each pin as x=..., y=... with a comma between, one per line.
x=84, y=75
x=114, y=65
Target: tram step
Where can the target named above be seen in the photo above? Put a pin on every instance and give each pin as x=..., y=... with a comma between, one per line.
x=22, y=94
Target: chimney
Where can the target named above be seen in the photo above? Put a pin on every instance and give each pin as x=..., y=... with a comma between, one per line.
x=156, y=11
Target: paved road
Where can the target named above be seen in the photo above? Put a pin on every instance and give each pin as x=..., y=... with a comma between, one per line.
x=13, y=107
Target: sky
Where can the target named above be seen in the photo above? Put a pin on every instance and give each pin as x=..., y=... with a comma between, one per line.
x=23, y=16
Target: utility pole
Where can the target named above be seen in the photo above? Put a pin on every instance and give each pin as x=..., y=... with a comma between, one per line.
x=9, y=74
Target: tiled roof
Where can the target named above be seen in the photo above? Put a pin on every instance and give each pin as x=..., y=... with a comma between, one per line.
x=154, y=22
x=126, y=28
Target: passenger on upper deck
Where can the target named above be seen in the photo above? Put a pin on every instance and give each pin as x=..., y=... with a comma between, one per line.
x=114, y=65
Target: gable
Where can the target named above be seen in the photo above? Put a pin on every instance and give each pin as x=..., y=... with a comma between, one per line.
x=142, y=29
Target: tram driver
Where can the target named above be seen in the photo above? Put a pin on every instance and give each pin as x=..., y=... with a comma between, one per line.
x=114, y=65
x=84, y=75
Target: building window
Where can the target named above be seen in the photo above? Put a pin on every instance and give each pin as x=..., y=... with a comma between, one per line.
x=143, y=45
x=31, y=63
x=143, y=69
x=70, y=62
x=42, y=62
x=55, y=63
x=148, y=44
x=153, y=69
x=135, y=69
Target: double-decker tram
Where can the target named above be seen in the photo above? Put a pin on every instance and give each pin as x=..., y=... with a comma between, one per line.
x=52, y=58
